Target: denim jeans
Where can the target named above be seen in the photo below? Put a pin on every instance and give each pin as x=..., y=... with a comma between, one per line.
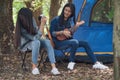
x=45, y=43
x=88, y=50
x=35, y=50
x=37, y=45
x=71, y=43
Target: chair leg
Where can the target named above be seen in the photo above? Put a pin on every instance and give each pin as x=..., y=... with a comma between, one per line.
x=64, y=56
x=61, y=60
x=23, y=57
x=44, y=57
x=42, y=62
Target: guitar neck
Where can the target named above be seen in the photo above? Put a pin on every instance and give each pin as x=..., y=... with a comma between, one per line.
x=73, y=29
x=50, y=37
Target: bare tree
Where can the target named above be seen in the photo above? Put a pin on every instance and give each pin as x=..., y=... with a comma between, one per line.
x=54, y=8
x=36, y=12
x=6, y=27
x=70, y=1
x=116, y=40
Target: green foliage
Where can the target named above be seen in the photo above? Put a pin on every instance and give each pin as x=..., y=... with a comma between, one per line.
x=110, y=14
x=103, y=12
x=46, y=7
x=17, y=5
x=36, y=4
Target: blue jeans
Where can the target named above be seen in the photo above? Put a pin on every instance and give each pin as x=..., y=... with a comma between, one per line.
x=45, y=43
x=35, y=50
x=71, y=43
x=88, y=50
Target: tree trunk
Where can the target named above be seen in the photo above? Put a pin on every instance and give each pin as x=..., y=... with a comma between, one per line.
x=116, y=40
x=54, y=8
x=36, y=12
x=70, y=1
x=6, y=27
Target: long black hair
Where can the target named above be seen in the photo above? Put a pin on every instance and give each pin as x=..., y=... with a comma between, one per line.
x=24, y=20
x=72, y=7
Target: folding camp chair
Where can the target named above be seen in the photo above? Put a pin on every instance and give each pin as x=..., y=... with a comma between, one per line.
x=41, y=62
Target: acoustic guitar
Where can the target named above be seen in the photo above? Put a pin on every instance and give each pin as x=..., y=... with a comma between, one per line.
x=71, y=30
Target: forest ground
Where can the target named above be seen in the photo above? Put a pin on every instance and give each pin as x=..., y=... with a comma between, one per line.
x=10, y=69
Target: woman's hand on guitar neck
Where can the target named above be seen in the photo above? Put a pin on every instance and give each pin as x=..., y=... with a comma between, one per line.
x=79, y=23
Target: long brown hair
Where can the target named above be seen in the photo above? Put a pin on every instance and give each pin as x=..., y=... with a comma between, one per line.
x=72, y=7
x=24, y=20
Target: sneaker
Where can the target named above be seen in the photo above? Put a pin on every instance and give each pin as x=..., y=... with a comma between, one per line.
x=35, y=71
x=71, y=65
x=99, y=65
x=55, y=71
